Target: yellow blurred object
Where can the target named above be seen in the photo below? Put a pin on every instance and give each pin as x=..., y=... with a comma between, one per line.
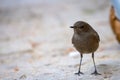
x=115, y=23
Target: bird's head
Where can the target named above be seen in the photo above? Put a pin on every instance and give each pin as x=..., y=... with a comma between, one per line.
x=80, y=27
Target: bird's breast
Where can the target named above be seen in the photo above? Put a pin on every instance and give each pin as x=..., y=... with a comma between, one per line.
x=85, y=44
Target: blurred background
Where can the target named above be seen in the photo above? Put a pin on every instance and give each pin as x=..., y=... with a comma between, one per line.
x=35, y=40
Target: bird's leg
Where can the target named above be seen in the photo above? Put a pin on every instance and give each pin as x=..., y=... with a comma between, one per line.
x=95, y=72
x=79, y=72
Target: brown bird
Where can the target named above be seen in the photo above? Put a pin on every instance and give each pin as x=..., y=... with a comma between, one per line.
x=86, y=40
x=115, y=23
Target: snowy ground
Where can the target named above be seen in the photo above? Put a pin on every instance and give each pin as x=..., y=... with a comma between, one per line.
x=35, y=40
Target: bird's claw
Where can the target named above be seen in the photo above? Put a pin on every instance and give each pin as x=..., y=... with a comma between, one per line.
x=78, y=73
x=95, y=73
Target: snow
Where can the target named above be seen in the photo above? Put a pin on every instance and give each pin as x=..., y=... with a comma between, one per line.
x=35, y=40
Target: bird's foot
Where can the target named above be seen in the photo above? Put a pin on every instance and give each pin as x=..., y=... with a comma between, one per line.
x=79, y=73
x=95, y=73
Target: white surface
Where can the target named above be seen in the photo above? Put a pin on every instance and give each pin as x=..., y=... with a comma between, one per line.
x=35, y=41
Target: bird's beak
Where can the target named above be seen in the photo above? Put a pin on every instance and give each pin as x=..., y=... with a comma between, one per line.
x=71, y=26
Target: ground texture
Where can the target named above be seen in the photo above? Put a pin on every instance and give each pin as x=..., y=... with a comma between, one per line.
x=35, y=40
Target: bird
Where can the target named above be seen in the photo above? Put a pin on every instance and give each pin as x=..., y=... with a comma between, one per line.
x=114, y=18
x=85, y=40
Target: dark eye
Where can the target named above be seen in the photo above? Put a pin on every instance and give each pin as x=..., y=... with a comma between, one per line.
x=81, y=27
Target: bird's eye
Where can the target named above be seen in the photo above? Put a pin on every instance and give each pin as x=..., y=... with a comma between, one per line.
x=81, y=27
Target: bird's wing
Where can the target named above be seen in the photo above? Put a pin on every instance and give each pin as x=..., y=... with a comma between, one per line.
x=97, y=36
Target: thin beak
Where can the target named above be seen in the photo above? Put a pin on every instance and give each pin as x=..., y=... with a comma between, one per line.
x=71, y=26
